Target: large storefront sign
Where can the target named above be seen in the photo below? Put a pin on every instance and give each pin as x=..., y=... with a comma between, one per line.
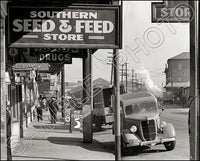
x=171, y=11
x=70, y=27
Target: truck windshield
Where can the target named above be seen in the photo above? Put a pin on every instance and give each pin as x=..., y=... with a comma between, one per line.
x=144, y=107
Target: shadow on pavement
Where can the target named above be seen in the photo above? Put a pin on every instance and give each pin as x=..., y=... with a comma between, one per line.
x=72, y=141
x=52, y=126
x=41, y=158
x=136, y=151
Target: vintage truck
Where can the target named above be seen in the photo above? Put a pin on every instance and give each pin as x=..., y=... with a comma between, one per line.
x=141, y=124
x=102, y=111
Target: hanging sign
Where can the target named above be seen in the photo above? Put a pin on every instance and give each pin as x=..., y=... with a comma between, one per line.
x=31, y=66
x=48, y=57
x=70, y=27
x=171, y=11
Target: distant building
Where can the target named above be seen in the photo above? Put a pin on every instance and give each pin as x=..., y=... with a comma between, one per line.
x=177, y=72
x=100, y=82
x=76, y=89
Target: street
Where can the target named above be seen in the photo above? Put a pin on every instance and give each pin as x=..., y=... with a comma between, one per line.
x=176, y=116
x=46, y=141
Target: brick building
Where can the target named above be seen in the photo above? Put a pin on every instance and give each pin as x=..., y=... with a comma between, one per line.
x=177, y=72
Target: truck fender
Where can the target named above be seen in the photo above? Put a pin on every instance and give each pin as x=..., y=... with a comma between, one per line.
x=127, y=135
x=169, y=131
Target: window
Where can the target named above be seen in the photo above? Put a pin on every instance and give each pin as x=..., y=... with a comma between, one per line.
x=179, y=66
x=179, y=79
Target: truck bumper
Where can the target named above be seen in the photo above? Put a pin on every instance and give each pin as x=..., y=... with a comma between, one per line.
x=137, y=142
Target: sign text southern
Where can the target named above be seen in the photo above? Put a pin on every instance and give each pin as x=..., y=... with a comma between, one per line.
x=75, y=26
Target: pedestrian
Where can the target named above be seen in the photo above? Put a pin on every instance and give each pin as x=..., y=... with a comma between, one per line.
x=39, y=111
x=53, y=110
x=8, y=123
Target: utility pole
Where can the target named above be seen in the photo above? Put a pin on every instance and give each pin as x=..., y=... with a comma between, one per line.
x=117, y=98
x=111, y=63
x=126, y=71
x=194, y=81
x=136, y=81
x=141, y=81
x=132, y=79
x=117, y=105
x=63, y=88
x=122, y=75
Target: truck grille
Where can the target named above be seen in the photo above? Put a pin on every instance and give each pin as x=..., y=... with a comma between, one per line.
x=149, y=130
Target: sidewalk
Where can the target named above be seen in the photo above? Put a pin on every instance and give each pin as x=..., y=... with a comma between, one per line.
x=45, y=141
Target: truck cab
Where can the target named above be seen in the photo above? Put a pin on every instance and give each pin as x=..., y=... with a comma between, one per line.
x=141, y=124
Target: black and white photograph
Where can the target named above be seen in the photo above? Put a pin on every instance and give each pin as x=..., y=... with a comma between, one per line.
x=99, y=79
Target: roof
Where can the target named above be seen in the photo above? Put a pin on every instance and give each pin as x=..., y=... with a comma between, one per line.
x=178, y=84
x=100, y=82
x=184, y=55
x=131, y=98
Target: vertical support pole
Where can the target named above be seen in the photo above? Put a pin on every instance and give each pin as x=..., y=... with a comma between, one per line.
x=31, y=116
x=117, y=105
x=25, y=103
x=111, y=82
x=126, y=65
x=3, y=131
x=62, y=89
x=20, y=109
x=87, y=97
x=194, y=91
x=132, y=79
x=122, y=73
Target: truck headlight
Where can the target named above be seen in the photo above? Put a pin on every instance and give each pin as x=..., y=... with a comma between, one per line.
x=163, y=124
x=133, y=129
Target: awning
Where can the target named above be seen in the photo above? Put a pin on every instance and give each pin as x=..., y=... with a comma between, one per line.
x=31, y=66
x=178, y=85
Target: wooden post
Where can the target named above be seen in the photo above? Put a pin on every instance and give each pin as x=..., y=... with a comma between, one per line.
x=132, y=79
x=117, y=105
x=194, y=88
x=25, y=102
x=87, y=97
x=3, y=84
x=20, y=109
x=62, y=89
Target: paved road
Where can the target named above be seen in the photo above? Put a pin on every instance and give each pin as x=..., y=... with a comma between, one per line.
x=176, y=116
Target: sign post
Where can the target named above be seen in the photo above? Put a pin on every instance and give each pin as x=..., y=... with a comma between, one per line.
x=194, y=81
x=117, y=105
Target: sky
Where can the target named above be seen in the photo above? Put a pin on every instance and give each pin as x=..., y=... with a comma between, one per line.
x=170, y=39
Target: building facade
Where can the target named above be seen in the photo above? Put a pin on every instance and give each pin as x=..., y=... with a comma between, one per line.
x=177, y=73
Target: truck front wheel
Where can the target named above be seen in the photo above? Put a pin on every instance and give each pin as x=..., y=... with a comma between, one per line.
x=170, y=145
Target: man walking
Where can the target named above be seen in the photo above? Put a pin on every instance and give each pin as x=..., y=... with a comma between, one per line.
x=53, y=111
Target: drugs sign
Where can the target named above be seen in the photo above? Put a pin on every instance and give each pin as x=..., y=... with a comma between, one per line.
x=65, y=58
x=69, y=27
